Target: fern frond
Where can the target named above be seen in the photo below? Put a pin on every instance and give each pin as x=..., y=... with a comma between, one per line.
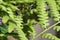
x=53, y=9
x=30, y=23
x=21, y=1
x=19, y=27
x=42, y=14
x=50, y=36
x=57, y=28
x=58, y=4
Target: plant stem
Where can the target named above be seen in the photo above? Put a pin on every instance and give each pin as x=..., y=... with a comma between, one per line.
x=45, y=30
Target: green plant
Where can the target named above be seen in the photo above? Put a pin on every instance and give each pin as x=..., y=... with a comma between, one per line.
x=22, y=15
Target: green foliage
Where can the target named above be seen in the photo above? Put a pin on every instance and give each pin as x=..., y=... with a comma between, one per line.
x=50, y=36
x=42, y=14
x=22, y=15
x=53, y=9
x=57, y=28
x=30, y=24
x=11, y=27
x=5, y=18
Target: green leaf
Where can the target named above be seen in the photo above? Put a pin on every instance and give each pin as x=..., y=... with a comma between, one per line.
x=11, y=27
x=3, y=30
x=2, y=35
x=5, y=19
